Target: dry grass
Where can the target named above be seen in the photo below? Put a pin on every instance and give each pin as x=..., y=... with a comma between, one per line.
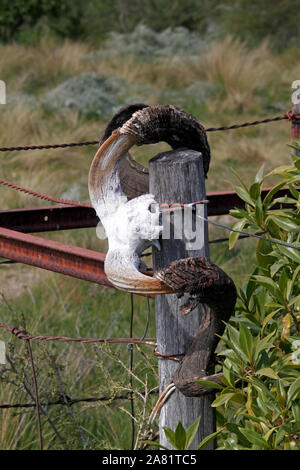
x=238, y=71
x=48, y=171
x=40, y=66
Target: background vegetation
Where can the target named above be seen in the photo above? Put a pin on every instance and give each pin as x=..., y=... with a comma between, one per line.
x=92, y=20
x=68, y=66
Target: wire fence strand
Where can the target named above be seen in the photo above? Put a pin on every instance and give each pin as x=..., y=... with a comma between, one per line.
x=289, y=115
x=22, y=334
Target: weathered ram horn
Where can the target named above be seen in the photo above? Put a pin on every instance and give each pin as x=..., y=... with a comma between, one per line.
x=129, y=225
x=134, y=177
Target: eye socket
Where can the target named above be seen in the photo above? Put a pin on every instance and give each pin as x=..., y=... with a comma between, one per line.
x=153, y=207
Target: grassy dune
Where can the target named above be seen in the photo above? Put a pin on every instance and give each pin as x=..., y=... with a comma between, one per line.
x=250, y=84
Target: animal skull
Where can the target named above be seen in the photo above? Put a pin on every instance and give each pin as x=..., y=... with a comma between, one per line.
x=130, y=226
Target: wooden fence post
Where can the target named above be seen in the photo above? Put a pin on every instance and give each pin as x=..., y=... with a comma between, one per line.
x=177, y=176
x=295, y=125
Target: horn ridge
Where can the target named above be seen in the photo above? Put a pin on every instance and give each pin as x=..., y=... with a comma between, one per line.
x=170, y=124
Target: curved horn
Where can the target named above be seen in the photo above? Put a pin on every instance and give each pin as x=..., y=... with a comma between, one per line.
x=120, y=218
x=134, y=176
x=129, y=225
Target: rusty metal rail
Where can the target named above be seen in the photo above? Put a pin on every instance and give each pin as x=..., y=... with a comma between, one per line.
x=53, y=256
x=52, y=218
x=61, y=258
x=16, y=244
x=48, y=219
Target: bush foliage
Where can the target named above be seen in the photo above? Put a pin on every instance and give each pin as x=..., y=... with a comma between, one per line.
x=259, y=404
x=25, y=20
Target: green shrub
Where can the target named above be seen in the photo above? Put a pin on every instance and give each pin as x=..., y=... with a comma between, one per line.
x=259, y=405
x=19, y=13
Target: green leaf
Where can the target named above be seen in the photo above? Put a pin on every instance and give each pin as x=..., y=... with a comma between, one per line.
x=261, y=387
x=293, y=179
x=277, y=266
x=191, y=432
x=233, y=237
x=279, y=436
x=268, y=318
x=232, y=427
x=244, y=195
x=235, y=341
x=246, y=341
x=283, y=281
x=284, y=223
x=255, y=419
x=269, y=433
x=252, y=284
x=222, y=399
x=296, y=411
x=272, y=192
x=261, y=404
x=268, y=283
x=260, y=174
x=284, y=200
x=259, y=211
x=281, y=170
x=210, y=383
x=293, y=391
x=170, y=435
x=263, y=344
x=180, y=437
x=254, y=191
x=209, y=438
x=295, y=276
x=238, y=213
x=264, y=254
x=294, y=192
x=291, y=253
x=268, y=372
x=254, y=438
x=228, y=373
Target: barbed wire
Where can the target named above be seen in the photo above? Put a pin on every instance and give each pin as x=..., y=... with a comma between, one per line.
x=72, y=401
x=45, y=197
x=47, y=147
x=22, y=334
x=247, y=234
x=289, y=115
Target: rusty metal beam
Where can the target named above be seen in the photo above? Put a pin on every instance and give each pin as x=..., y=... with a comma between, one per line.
x=73, y=261
x=47, y=219
x=53, y=256
x=66, y=259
